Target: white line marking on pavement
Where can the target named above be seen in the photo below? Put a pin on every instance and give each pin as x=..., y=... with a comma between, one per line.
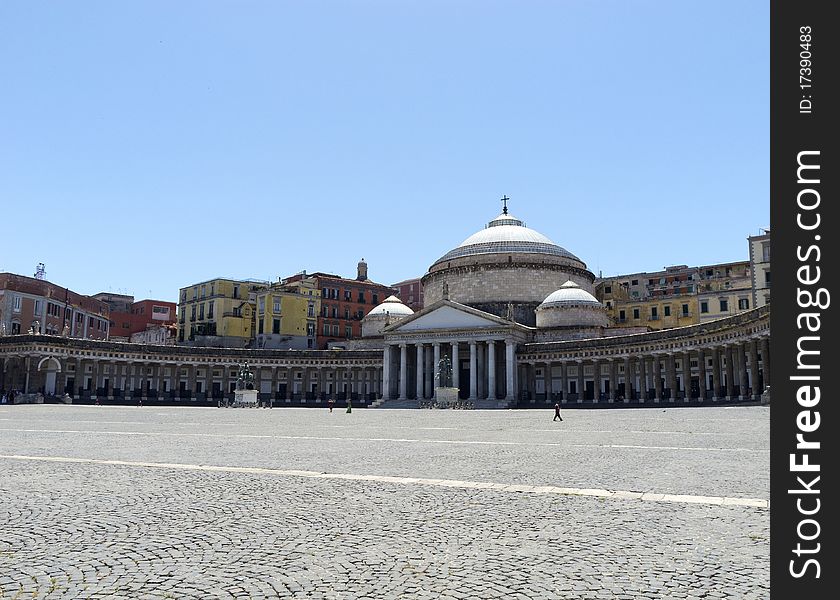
x=372, y=439
x=452, y=483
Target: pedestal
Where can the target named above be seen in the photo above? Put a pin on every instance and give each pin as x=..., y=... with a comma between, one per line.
x=446, y=397
x=245, y=398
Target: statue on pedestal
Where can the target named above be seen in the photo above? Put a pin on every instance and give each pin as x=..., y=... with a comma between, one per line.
x=444, y=373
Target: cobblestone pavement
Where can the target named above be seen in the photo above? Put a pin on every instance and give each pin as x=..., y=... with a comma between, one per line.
x=126, y=502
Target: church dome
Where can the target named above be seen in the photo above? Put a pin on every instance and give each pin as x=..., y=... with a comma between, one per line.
x=392, y=306
x=505, y=235
x=571, y=307
x=569, y=294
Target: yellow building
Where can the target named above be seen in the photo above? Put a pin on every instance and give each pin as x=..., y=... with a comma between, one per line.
x=286, y=315
x=677, y=296
x=218, y=312
x=724, y=290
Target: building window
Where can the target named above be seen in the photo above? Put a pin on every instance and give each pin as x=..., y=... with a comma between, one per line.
x=704, y=306
x=348, y=295
x=767, y=278
x=201, y=311
x=309, y=343
x=765, y=251
x=262, y=304
x=195, y=293
x=203, y=291
x=608, y=289
x=277, y=305
x=310, y=311
x=634, y=282
x=348, y=331
x=654, y=312
x=310, y=329
x=743, y=303
x=275, y=326
x=326, y=329
x=236, y=292
x=685, y=310
x=260, y=326
x=622, y=316
x=376, y=298
x=37, y=309
x=16, y=306
x=362, y=297
x=335, y=313
x=346, y=314
x=724, y=306
x=635, y=313
x=335, y=330
x=210, y=309
x=667, y=311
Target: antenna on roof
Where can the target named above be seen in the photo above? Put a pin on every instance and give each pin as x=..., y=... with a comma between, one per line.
x=40, y=271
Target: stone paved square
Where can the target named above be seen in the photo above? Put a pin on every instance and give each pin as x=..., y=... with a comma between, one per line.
x=129, y=502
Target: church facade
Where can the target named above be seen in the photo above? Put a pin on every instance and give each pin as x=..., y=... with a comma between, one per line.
x=513, y=312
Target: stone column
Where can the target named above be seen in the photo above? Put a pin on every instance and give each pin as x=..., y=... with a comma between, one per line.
x=564, y=387
x=765, y=362
x=420, y=364
x=686, y=361
x=481, y=373
x=755, y=393
x=596, y=385
x=491, y=370
x=716, y=380
x=672, y=375
x=79, y=380
x=403, y=370
x=322, y=382
x=429, y=371
x=643, y=384
x=730, y=372
x=386, y=373
x=701, y=376
x=657, y=378
x=510, y=368
x=456, y=366
x=629, y=376
x=741, y=349
x=581, y=382
x=473, y=371
x=613, y=379
x=436, y=355
x=191, y=380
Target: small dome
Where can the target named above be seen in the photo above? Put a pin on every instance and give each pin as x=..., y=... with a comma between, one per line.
x=391, y=305
x=570, y=293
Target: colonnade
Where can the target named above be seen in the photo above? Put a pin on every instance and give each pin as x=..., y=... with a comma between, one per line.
x=411, y=369
x=101, y=378
x=728, y=371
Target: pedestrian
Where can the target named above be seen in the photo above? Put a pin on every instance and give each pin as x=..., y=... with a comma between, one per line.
x=557, y=411
x=349, y=405
x=331, y=403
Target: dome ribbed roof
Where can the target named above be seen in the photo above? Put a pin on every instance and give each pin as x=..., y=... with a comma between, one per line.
x=391, y=305
x=568, y=294
x=504, y=235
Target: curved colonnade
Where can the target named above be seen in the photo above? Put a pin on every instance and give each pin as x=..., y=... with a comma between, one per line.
x=723, y=360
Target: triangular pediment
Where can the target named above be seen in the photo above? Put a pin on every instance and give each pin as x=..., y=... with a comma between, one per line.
x=449, y=315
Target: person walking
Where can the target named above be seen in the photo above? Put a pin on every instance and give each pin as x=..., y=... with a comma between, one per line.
x=349, y=405
x=331, y=403
x=557, y=412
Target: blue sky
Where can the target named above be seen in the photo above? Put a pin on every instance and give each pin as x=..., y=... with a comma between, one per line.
x=146, y=146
